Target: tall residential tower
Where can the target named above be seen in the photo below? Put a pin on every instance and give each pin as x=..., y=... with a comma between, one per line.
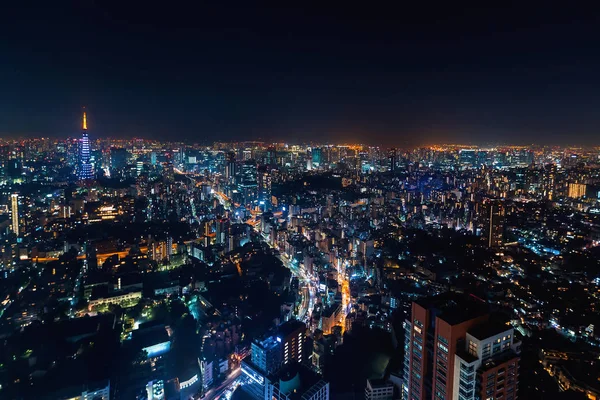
x=454, y=350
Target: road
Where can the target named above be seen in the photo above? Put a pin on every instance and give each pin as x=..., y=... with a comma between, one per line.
x=309, y=290
x=217, y=392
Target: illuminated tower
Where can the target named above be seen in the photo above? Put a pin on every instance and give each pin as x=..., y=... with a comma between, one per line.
x=85, y=167
x=14, y=209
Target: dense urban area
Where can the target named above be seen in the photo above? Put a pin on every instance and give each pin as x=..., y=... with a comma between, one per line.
x=137, y=269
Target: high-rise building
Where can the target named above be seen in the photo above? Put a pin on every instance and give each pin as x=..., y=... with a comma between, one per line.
x=85, y=166
x=169, y=171
x=317, y=156
x=266, y=354
x=548, y=181
x=392, y=159
x=231, y=167
x=577, y=190
x=453, y=350
x=264, y=186
x=14, y=210
x=493, y=222
x=271, y=156
x=221, y=230
x=292, y=335
x=467, y=157
x=248, y=185
x=118, y=158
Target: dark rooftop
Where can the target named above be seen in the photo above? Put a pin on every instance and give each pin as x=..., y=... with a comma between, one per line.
x=149, y=337
x=327, y=313
x=455, y=308
x=290, y=326
x=466, y=356
x=489, y=329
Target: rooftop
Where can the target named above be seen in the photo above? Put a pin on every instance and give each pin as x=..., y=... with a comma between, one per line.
x=290, y=327
x=489, y=329
x=455, y=308
x=267, y=343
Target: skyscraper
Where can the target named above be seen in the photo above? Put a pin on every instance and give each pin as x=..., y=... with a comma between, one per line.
x=317, y=155
x=231, y=167
x=577, y=190
x=271, y=157
x=118, y=160
x=264, y=186
x=454, y=350
x=393, y=159
x=14, y=210
x=493, y=222
x=85, y=166
x=548, y=181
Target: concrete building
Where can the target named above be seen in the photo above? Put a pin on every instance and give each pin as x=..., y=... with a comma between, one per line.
x=378, y=389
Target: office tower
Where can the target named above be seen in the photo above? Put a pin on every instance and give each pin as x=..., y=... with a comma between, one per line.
x=392, y=159
x=271, y=156
x=153, y=158
x=292, y=335
x=290, y=383
x=169, y=171
x=14, y=209
x=231, y=167
x=317, y=156
x=454, y=350
x=493, y=222
x=85, y=166
x=248, y=181
x=468, y=157
x=276, y=371
x=264, y=186
x=548, y=181
x=266, y=354
x=221, y=230
x=577, y=190
x=248, y=173
x=118, y=158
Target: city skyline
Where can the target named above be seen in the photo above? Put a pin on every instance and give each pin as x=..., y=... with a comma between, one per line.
x=299, y=202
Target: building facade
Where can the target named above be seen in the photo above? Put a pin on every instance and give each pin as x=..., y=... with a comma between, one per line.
x=454, y=351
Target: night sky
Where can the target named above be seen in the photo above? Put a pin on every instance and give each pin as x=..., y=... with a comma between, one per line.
x=391, y=76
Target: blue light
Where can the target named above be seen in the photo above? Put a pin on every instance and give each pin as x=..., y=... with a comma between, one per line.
x=158, y=349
